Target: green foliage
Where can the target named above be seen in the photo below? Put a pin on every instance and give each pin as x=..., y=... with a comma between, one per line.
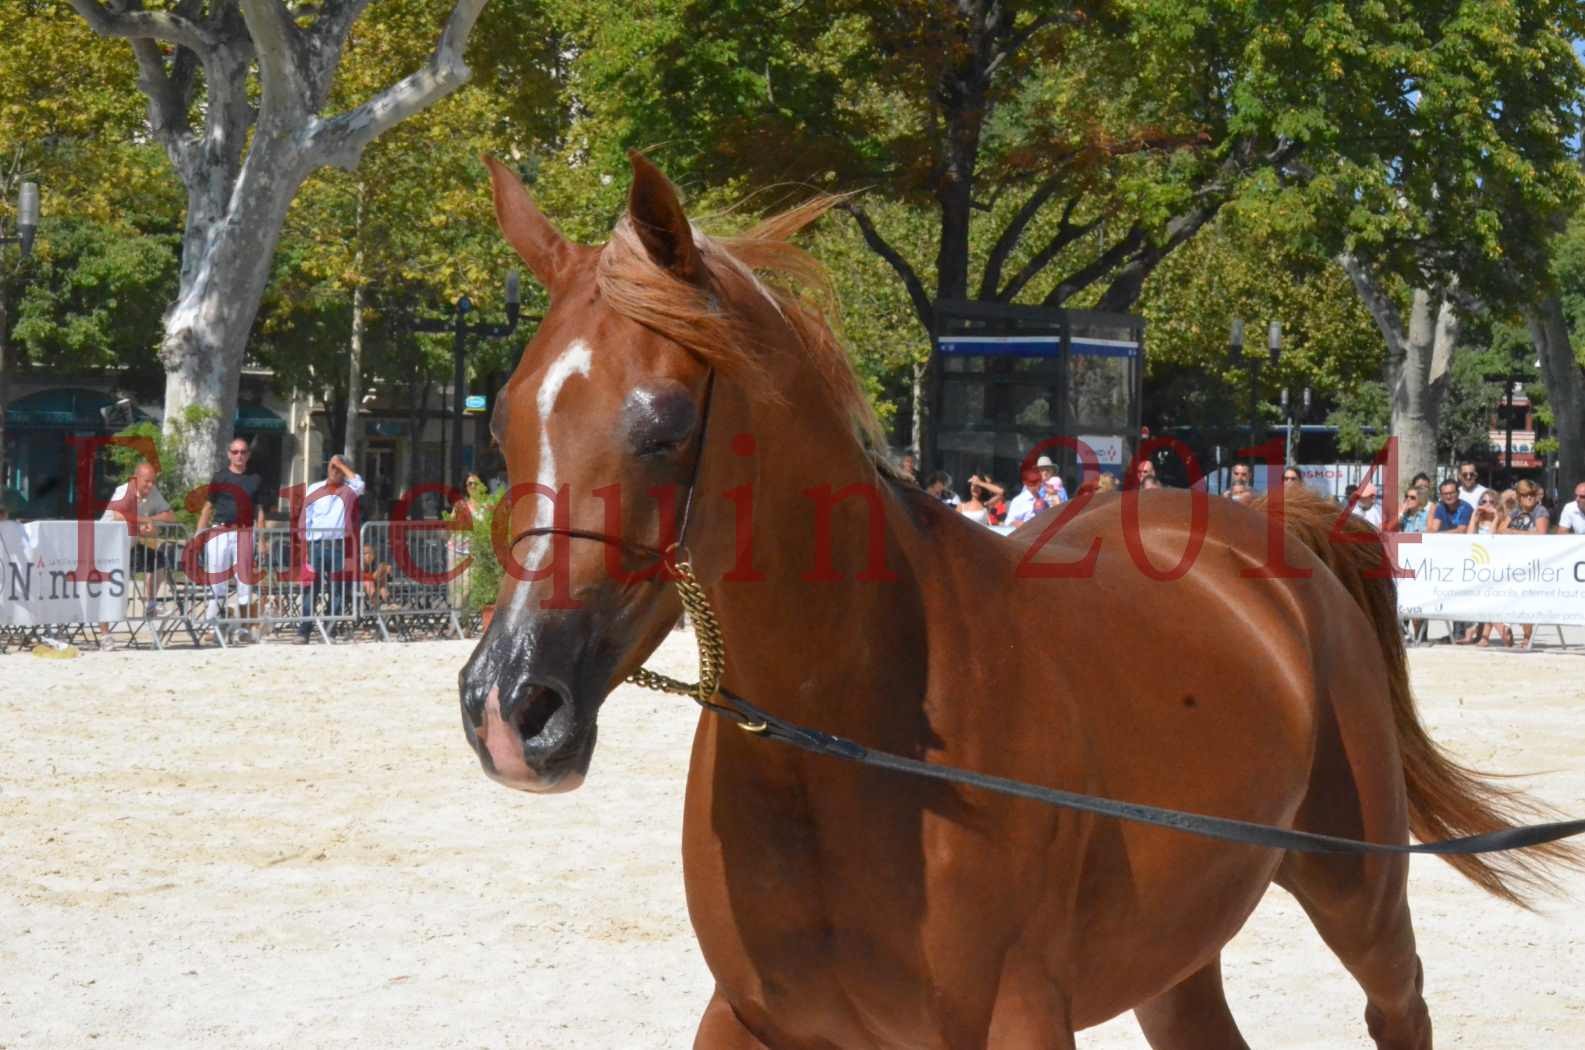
x=1362, y=419
x=1429, y=137
x=484, y=569
x=1463, y=423
x=1259, y=262
x=96, y=297
x=171, y=457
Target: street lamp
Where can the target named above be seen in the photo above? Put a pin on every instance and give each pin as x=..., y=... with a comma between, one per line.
x=27, y=218
x=27, y=226
x=459, y=327
x=1253, y=364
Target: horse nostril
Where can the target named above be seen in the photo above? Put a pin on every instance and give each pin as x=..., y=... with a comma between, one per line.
x=531, y=709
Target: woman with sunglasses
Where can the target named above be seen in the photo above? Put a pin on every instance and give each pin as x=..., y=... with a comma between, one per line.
x=1411, y=517
x=1532, y=518
x=1487, y=520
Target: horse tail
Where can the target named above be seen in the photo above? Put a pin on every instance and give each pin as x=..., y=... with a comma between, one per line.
x=1446, y=799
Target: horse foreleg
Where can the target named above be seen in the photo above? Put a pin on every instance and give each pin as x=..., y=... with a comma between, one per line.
x=1192, y=1014
x=722, y=1029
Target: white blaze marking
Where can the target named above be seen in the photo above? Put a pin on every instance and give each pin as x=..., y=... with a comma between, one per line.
x=573, y=361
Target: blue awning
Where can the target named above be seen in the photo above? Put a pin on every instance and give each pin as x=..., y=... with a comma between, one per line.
x=1036, y=346
x=79, y=408
x=75, y=407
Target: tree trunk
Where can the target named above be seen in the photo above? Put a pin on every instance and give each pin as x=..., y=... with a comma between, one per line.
x=1421, y=383
x=1419, y=360
x=918, y=387
x=264, y=81
x=1565, y=387
x=354, y=431
x=206, y=331
x=418, y=415
x=5, y=393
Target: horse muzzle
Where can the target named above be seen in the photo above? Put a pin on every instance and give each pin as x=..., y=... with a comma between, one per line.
x=535, y=743
x=527, y=711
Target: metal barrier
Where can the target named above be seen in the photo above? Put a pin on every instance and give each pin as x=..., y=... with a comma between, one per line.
x=259, y=584
x=1422, y=636
x=411, y=579
x=395, y=579
x=161, y=597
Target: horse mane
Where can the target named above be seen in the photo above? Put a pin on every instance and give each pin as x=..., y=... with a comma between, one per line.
x=766, y=263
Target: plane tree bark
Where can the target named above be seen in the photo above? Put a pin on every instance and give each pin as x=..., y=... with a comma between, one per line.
x=1565, y=386
x=1420, y=349
x=243, y=159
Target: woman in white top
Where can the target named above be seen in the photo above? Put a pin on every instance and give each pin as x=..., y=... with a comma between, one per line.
x=981, y=492
x=1488, y=520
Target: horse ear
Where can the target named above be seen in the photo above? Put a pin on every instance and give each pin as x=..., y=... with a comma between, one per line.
x=659, y=220
x=539, y=244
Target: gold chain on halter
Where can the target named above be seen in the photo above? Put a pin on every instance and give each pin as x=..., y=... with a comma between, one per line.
x=712, y=648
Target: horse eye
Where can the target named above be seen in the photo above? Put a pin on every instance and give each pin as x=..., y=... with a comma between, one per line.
x=659, y=418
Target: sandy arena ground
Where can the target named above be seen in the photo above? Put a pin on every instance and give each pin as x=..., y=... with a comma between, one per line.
x=289, y=847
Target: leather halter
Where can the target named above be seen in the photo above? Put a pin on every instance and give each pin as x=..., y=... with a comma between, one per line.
x=669, y=555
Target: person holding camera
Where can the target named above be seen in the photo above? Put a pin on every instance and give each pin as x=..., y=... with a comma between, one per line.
x=984, y=495
x=1411, y=514
x=329, y=522
x=1487, y=520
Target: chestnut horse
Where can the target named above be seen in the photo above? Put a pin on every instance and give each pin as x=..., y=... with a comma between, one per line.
x=684, y=382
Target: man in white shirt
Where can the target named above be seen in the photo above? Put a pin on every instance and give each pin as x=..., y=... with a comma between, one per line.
x=328, y=520
x=1030, y=501
x=1571, y=518
x=1365, y=505
x=1469, y=490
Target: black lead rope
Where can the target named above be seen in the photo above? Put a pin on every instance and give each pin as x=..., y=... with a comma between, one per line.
x=1239, y=831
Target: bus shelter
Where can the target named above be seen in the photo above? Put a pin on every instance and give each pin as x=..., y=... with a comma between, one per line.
x=1010, y=377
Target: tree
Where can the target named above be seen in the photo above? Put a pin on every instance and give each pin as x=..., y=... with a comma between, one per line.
x=412, y=226
x=1458, y=203
x=1556, y=322
x=1420, y=348
x=66, y=124
x=236, y=96
x=1463, y=424
x=1067, y=150
x=1260, y=260
x=95, y=298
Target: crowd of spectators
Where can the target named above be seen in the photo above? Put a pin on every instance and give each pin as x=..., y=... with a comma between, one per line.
x=1460, y=504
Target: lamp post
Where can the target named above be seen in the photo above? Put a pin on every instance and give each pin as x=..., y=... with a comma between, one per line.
x=460, y=328
x=1253, y=364
x=1509, y=380
x=1295, y=410
x=27, y=226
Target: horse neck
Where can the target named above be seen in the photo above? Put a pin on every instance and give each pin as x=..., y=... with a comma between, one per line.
x=803, y=636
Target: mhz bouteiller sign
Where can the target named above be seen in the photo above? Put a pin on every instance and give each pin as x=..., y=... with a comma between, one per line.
x=1503, y=579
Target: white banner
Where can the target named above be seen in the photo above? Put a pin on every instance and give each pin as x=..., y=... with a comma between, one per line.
x=1108, y=449
x=1502, y=579
x=39, y=578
